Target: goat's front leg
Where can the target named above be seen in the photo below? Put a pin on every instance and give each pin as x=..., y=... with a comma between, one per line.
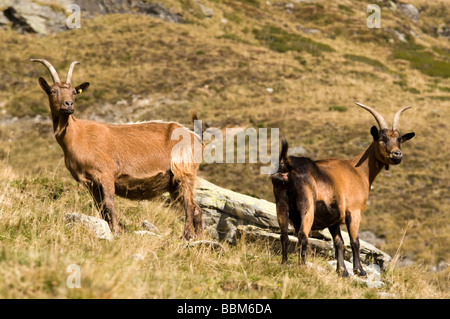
x=352, y=220
x=103, y=195
x=338, y=241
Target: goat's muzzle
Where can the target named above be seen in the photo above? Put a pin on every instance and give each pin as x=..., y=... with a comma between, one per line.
x=67, y=107
x=396, y=157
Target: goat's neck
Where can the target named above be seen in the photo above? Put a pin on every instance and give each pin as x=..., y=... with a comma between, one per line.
x=367, y=164
x=64, y=129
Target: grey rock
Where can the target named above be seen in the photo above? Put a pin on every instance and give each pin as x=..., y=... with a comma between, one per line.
x=369, y=253
x=129, y=6
x=3, y=19
x=372, y=280
x=150, y=227
x=443, y=31
x=400, y=36
x=138, y=257
x=157, y=10
x=27, y=16
x=208, y=12
x=220, y=226
x=97, y=225
x=145, y=232
x=409, y=11
x=371, y=238
x=250, y=209
x=440, y=266
x=405, y=261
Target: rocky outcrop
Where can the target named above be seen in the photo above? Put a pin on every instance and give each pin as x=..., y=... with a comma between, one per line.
x=232, y=216
x=249, y=209
x=129, y=6
x=45, y=17
x=27, y=16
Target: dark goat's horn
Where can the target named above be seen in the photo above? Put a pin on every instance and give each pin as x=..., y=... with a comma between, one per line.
x=50, y=67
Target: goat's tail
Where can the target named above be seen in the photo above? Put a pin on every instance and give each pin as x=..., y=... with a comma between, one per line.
x=184, y=169
x=199, y=128
x=186, y=157
x=284, y=164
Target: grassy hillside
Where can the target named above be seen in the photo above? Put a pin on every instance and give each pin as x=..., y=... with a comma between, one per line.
x=37, y=247
x=143, y=68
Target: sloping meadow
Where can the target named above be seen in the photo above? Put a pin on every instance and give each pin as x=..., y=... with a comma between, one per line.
x=298, y=68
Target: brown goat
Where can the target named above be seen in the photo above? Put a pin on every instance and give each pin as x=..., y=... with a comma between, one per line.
x=322, y=194
x=135, y=161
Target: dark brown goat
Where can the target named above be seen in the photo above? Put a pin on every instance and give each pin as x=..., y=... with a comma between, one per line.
x=135, y=161
x=322, y=194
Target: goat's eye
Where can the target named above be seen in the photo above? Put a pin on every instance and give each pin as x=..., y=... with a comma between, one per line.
x=53, y=92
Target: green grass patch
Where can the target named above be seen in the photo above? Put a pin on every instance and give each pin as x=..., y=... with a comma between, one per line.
x=282, y=41
x=253, y=3
x=363, y=59
x=345, y=8
x=338, y=108
x=424, y=61
x=440, y=97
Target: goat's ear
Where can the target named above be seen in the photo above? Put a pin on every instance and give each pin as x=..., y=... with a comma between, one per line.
x=44, y=85
x=374, y=132
x=82, y=87
x=408, y=136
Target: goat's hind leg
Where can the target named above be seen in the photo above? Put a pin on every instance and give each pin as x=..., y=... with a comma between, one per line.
x=184, y=192
x=283, y=222
x=306, y=207
x=303, y=233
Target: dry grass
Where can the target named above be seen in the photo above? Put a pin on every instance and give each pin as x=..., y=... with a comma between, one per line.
x=37, y=247
x=222, y=70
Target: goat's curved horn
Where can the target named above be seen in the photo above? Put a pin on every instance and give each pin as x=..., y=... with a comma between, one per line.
x=50, y=67
x=397, y=117
x=381, y=122
x=69, y=74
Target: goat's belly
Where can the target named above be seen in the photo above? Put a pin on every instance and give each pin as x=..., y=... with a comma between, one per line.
x=143, y=187
x=326, y=215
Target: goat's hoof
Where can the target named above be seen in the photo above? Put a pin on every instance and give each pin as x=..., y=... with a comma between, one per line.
x=117, y=230
x=199, y=236
x=187, y=236
x=342, y=273
x=360, y=272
